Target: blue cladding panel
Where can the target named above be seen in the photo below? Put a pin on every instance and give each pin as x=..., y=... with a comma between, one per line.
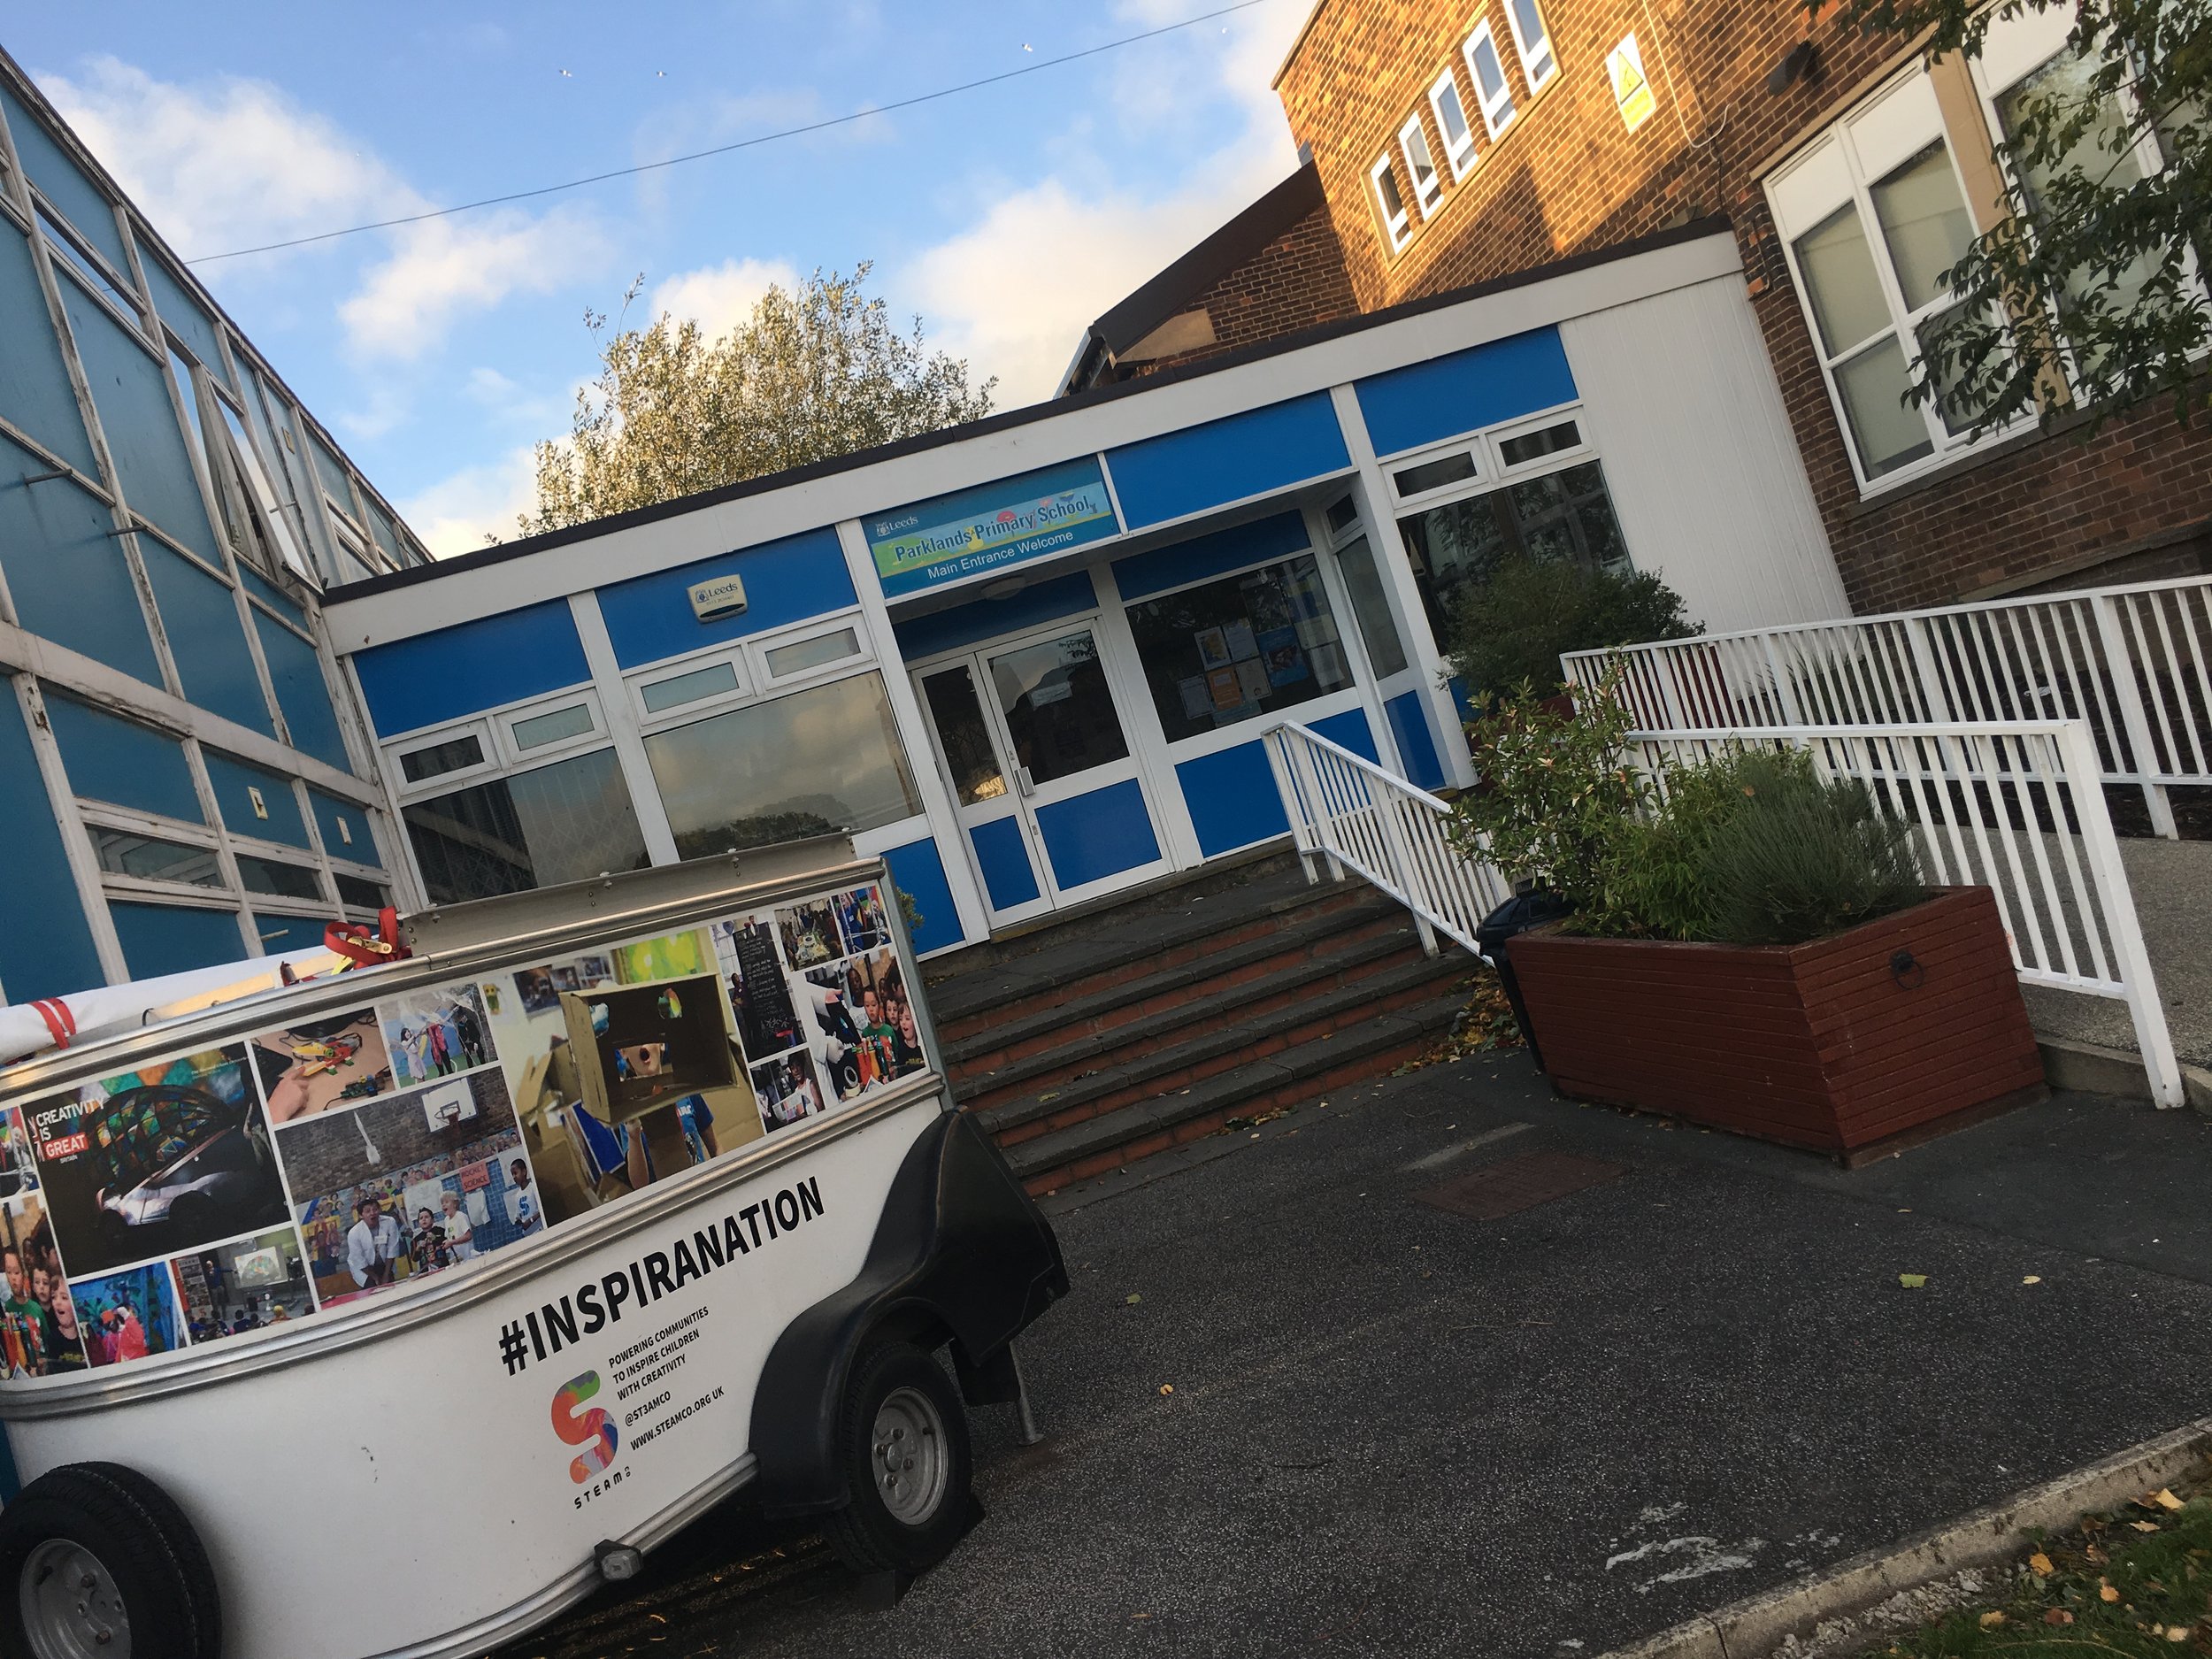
x=267, y=590
x=200, y=616
x=331, y=471
x=281, y=934
x=232, y=778
x=160, y=939
x=185, y=318
x=1089, y=837
x=1004, y=859
x=45, y=946
x=65, y=568
x=1461, y=701
x=302, y=693
x=132, y=395
x=1425, y=402
x=989, y=618
x=441, y=676
x=119, y=761
x=1350, y=729
x=1205, y=556
x=51, y=170
x=918, y=871
x=34, y=389
x=1416, y=746
x=649, y=616
x=1232, y=798
x=354, y=840
x=1233, y=459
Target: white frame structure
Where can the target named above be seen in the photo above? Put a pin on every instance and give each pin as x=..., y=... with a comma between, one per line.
x=1428, y=183
x=1460, y=151
x=1382, y=186
x=1499, y=111
x=1540, y=59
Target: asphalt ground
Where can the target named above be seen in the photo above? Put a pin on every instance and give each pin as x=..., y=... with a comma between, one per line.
x=1397, y=1430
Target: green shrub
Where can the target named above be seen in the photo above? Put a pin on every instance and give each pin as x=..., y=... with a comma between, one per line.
x=1804, y=857
x=1512, y=625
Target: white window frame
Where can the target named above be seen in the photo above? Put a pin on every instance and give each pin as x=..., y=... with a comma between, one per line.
x=676, y=668
x=514, y=757
x=1543, y=47
x=1499, y=112
x=1413, y=140
x=1497, y=437
x=1397, y=228
x=1483, y=476
x=444, y=782
x=760, y=645
x=1841, y=168
x=747, y=658
x=1461, y=156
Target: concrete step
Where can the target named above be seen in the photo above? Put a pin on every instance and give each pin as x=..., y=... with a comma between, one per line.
x=1289, y=1077
x=1199, y=1035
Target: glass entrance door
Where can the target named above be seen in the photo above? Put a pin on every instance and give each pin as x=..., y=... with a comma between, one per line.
x=1048, y=795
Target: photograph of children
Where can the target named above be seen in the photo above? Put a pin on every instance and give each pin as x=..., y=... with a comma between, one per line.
x=745, y=953
x=809, y=934
x=127, y=1316
x=39, y=1335
x=19, y=1169
x=435, y=1032
x=156, y=1162
x=787, y=1090
x=373, y=1187
x=247, y=1285
x=860, y=918
x=670, y=957
x=311, y=1068
x=868, y=1032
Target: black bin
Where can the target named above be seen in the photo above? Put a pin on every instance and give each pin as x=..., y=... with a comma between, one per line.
x=1518, y=916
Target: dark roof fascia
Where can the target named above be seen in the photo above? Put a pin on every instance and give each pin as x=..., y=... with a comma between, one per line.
x=1180, y=285
x=1051, y=408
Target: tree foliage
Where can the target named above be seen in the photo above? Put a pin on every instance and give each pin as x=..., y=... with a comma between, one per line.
x=1512, y=625
x=813, y=373
x=2088, y=281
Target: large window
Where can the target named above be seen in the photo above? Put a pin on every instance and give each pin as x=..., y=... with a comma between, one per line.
x=1451, y=121
x=566, y=822
x=1390, y=206
x=1488, y=69
x=1538, y=62
x=1874, y=216
x=819, y=760
x=1428, y=189
x=1235, y=648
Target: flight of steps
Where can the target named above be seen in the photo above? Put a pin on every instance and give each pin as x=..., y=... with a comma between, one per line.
x=1101, y=1038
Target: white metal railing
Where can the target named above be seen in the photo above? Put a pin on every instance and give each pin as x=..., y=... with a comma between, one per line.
x=2134, y=663
x=1361, y=818
x=2017, y=807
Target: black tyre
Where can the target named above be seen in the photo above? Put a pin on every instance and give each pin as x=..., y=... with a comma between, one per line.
x=97, y=1563
x=904, y=1445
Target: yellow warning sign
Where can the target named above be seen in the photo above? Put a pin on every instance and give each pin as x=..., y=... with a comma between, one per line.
x=1632, y=90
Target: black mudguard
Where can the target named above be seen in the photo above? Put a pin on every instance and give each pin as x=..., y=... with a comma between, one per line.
x=960, y=1251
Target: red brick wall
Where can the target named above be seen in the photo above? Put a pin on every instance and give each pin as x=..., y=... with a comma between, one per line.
x=1568, y=177
x=1296, y=281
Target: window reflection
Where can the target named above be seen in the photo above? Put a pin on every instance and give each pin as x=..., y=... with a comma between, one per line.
x=1058, y=710
x=1567, y=514
x=1239, y=648
x=958, y=717
x=560, y=823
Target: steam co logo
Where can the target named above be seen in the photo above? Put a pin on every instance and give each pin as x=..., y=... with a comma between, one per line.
x=592, y=1430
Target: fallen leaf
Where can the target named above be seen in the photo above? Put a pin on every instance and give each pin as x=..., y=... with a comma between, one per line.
x=2177, y=1632
x=1134, y=1299
x=2095, y=1556
x=2144, y=1526
x=2040, y=1564
x=1912, y=1281
x=2032, y=1279
x=1991, y=1620
x=2106, y=1592
x=1167, y=1387
x=2163, y=1499
x=2058, y=1616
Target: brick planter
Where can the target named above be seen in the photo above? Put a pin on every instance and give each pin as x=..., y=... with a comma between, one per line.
x=1822, y=1045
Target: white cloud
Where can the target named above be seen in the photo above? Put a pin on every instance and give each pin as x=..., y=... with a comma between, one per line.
x=717, y=297
x=457, y=513
x=446, y=267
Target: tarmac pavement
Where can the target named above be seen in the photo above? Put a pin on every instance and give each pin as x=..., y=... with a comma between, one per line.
x=1395, y=1429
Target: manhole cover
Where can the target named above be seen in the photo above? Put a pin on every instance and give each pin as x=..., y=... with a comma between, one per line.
x=1517, y=1184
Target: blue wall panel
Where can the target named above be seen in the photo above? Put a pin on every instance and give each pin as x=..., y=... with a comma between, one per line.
x=64, y=566
x=200, y=616
x=1232, y=798
x=650, y=617
x=184, y=316
x=281, y=934
x=441, y=676
x=77, y=196
x=1003, y=856
x=45, y=945
x=1226, y=460
x=160, y=939
x=354, y=841
x=1417, y=745
x=1426, y=403
x=918, y=871
x=262, y=588
x=297, y=674
x=34, y=389
x=988, y=618
x=232, y=777
x=143, y=434
x=1350, y=729
x=1195, y=560
x=1089, y=837
x=109, y=758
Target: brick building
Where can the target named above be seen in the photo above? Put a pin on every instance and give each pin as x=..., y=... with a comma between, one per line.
x=1452, y=146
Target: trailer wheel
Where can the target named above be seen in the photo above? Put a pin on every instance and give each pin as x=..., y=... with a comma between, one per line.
x=97, y=1563
x=904, y=1445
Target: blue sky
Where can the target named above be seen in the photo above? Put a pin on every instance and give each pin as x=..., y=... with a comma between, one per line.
x=1007, y=217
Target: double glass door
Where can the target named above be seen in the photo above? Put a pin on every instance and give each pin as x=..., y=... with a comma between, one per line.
x=1048, y=795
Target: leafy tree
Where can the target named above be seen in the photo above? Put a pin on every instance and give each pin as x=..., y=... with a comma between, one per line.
x=811, y=375
x=1512, y=625
x=2088, y=281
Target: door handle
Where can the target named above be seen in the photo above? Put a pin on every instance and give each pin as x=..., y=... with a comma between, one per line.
x=1022, y=781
